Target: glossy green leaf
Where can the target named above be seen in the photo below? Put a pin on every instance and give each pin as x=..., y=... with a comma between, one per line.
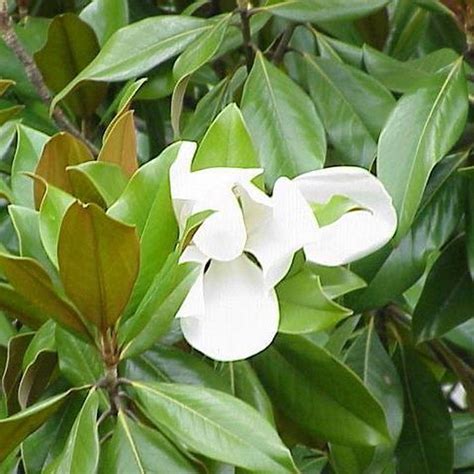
x=79, y=363
x=352, y=105
x=98, y=263
x=158, y=307
x=216, y=425
x=43, y=340
x=202, y=50
x=138, y=48
x=11, y=377
x=81, y=452
x=54, y=205
x=29, y=146
x=61, y=150
x=463, y=425
x=136, y=448
x=321, y=10
x=107, y=179
x=36, y=378
x=168, y=364
x=15, y=429
x=310, y=386
x=406, y=76
x=437, y=219
x=304, y=307
x=426, y=441
x=146, y=204
x=430, y=120
x=284, y=124
x=106, y=17
x=337, y=281
x=227, y=142
x=27, y=225
x=447, y=298
x=63, y=57
x=32, y=282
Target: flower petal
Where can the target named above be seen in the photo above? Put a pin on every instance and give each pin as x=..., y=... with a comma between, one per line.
x=357, y=233
x=290, y=225
x=241, y=317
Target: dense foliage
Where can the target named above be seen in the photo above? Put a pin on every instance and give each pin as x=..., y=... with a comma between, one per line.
x=372, y=370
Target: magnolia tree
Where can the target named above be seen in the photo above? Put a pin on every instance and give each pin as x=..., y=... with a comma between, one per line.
x=236, y=237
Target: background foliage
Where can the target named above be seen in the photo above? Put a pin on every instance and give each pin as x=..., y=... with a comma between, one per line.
x=377, y=377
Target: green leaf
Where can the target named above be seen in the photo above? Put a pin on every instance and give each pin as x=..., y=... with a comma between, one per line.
x=333, y=209
x=47, y=443
x=15, y=429
x=19, y=307
x=226, y=143
x=54, y=205
x=138, y=48
x=320, y=394
x=216, y=425
x=11, y=377
x=402, y=266
x=106, y=17
x=202, y=50
x=429, y=120
x=98, y=263
x=81, y=452
x=136, y=448
x=43, y=340
x=108, y=179
x=426, y=441
x=37, y=377
x=146, y=204
x=369, y=360
x=28, y=150
x=352, y=105
x=447, y=298
x=337, y=281
x=321, y=10
x=304, y=307
x=27, y=225
x=79, y=363
x=62, y=58
x=61, y=150
x=406, y=76
x=32, y=282
x=158, y=307
x=168, y=364
x=463, y=424
x=284, y=124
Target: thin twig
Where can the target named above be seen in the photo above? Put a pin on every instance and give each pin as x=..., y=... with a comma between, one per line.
x=282, y=47
x=246, y=33
x=34, y=75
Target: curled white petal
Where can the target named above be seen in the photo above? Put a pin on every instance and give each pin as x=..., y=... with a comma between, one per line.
x=357, y=233
x=287, y=226
x=221, y=236
x=240, y=315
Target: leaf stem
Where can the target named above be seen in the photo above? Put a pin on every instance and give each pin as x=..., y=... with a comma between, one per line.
x=246, y=33
x=283, y=44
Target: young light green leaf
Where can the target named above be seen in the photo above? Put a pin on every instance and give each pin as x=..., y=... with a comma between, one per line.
x=98, y=263
x=284, y=124
x=227, y=142
x=216, y=425
x=430, y=119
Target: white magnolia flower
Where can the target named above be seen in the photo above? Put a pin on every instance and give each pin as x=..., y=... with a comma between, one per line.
x=357, y=233
x=231, y=312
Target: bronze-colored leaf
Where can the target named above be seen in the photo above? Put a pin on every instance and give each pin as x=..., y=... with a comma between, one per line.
x=61, y=150
x=120, y=145
x=98, y=263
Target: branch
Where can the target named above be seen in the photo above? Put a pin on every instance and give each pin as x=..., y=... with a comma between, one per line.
x=283, y=44
x=246, y=33
x=34, y=74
